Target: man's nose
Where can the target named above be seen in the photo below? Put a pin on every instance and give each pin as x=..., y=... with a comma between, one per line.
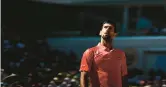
x=107, y=29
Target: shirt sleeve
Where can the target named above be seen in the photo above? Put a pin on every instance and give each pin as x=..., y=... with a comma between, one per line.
x=86, y=61
x=124, y=65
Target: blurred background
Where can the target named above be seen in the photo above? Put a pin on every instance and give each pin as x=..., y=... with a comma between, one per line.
x=43, y=40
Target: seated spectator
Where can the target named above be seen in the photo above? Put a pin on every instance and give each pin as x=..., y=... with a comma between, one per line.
x=143, y=24
x=163, y=30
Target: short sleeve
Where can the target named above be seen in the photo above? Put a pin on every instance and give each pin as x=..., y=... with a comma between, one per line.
x=86, y=61
x=124, y=65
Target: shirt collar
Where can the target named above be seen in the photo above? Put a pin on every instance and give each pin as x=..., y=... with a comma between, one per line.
x=102, y=47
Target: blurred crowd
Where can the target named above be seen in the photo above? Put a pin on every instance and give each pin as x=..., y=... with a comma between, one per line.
x=30, y=63
x=152, y=78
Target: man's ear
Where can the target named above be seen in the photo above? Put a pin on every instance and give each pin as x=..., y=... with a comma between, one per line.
x=113, y=34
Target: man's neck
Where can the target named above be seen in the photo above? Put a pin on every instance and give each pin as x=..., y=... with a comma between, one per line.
x=106, y=43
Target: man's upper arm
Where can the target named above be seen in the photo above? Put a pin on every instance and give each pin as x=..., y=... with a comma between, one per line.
x=124, y=65
x=86, y=61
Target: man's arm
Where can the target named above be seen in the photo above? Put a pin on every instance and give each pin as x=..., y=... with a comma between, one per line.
x=85, y=67
x=124, y=72
x=84, y=79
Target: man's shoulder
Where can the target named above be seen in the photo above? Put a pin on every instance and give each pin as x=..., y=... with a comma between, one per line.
x=119, y=51
x=91, y=49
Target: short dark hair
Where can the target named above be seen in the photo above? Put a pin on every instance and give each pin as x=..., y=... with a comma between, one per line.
x=110, y=22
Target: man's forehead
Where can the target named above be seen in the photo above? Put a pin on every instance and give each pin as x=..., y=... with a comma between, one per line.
x=107, y=24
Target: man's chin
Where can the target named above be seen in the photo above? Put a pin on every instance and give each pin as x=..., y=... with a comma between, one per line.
x=106, y=37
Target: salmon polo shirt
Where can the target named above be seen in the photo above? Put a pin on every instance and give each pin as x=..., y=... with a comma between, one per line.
x=105, y=67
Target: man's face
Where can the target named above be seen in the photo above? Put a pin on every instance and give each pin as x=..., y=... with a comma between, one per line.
x=107, y=31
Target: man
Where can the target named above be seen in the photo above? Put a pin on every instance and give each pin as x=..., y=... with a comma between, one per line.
x=105, y=65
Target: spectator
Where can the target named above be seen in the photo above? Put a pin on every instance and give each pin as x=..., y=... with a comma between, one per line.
x=143, y=24
x=163, y=30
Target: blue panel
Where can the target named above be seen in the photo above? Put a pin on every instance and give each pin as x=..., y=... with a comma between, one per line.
x=161, y=62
